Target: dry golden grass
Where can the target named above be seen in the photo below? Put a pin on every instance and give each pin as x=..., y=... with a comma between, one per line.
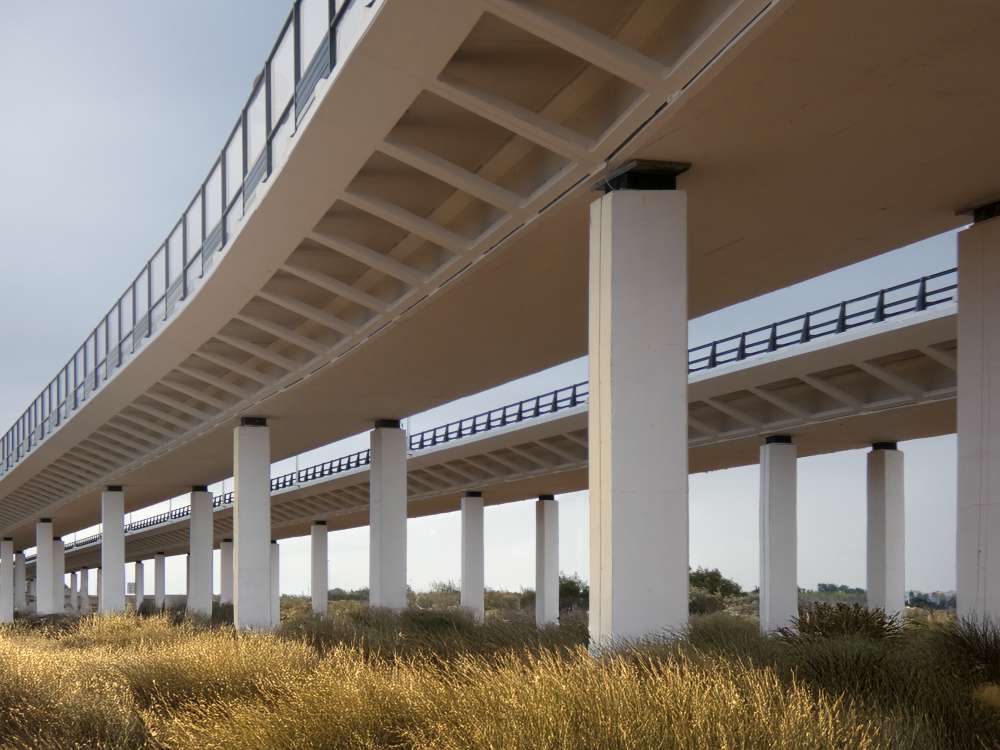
x=434, y=680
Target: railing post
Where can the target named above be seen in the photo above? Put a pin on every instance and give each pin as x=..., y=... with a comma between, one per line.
x=772, y=339
x=842, y=318
x=712, y=355
x=922, y=294
x=184, y=256
x=135, y=311
x=268, y=117
x=806, y=334
x=741, y=350
x=332, y=10
x=149, y=298
x=204, y=228
x=880, y=307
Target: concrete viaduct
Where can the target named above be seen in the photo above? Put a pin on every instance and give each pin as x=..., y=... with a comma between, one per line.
x=421, y=201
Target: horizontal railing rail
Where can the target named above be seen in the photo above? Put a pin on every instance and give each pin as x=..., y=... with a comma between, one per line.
x=519, y=411
x=304, y=53
x=912, y=296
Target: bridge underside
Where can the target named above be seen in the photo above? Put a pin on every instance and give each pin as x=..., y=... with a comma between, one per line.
x=431, y=242
x=834, y=394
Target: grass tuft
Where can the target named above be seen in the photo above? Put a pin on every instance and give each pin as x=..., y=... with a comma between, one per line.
x=367, y=678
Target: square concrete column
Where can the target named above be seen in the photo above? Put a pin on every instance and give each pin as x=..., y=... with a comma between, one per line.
x=387, y=550
x=59, y=575
x=978, y=538
x=275, y=583
x=252, y=607
x=44, y=568
x=74, y=596
x=473, y=555
x=20, y=583
x=226, y=571
x=84, y=594
x=159, y=581
x=638, y=412
x=201, y=537
x=112, y=576
x=886, y=530
x=140, y=584
x=319, y=584
x=546, y=561
x=779, y=590
x=100, y=587
x=7, y=580
x=32, y=595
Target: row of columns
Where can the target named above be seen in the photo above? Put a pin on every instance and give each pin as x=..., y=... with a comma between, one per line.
x=638, y=430
x=778, y=546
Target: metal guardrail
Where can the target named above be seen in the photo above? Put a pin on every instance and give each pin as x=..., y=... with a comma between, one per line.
x=912, y=296
x=530, y=408
x=305, y=52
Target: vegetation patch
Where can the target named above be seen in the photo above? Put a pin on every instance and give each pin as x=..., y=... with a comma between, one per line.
x=426, y=678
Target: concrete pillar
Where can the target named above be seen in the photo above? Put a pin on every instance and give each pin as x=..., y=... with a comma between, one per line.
x=546, y=561
x=252, y=524
x=199, y=598
x=44, y=568
x=59, y=575
x=473, y=555
x=159, y=581
x=320, y=562
x=226, y=571
x=32, y=594
x=275, y=588
x=84, y=591
x=100, y=588
x=886, y=530
x=387, y=550
x=779, y=591
x=638, y=413
x=7, y=580
x=112, y=578
x=74, y=595
x=140, y=584
x=20, y=583
x=978, y=538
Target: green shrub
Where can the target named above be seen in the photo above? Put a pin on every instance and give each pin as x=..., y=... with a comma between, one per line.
x=838, y=620
x=702, y=602
x=712, y=581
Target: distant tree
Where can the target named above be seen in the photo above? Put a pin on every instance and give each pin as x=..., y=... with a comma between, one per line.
x=354, y=595
x=574, y=593
x=711, y=581
x=444, y=587
x=838, y=588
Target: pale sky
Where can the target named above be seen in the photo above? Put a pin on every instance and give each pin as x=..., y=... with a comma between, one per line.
x=114, y=112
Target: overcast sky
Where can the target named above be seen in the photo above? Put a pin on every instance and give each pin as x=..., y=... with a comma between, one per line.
x=113, y=113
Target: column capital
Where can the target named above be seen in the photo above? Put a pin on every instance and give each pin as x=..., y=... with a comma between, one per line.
x=472, y=493
x=253, y=421
x=199, y=488
x=113, y=488
x=885, y=445
x=778, y=440
x=546, y=497
x=319, y=523
x=392, y=424
x=982, y=212
x=642, y=174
